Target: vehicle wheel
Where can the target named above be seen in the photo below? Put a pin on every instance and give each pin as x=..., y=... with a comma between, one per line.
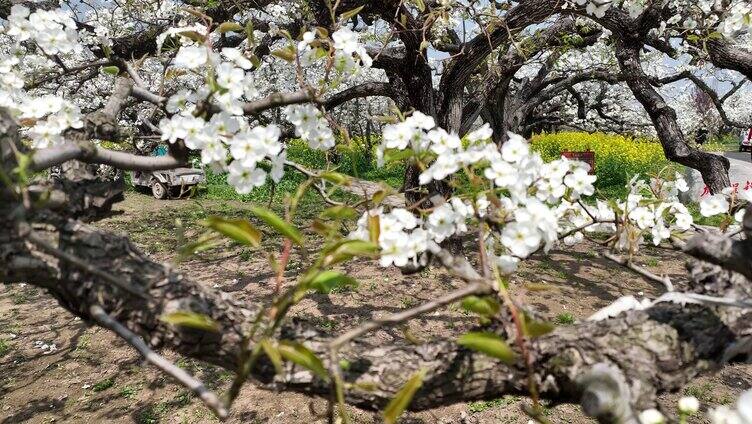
x=158, y=190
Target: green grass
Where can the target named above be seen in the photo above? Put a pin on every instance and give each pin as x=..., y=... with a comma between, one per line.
x=152, y=414
x=354, y=160
x=4, y=348
x=129, y=391
x=722, y=143
x=707, y=393
x=485, y=405
x=104, y=384
x=23, y=295
x=565, y=318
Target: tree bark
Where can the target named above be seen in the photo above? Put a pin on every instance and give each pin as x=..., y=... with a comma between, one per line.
x=714, y=168
x=657, y=350
x=725, y=55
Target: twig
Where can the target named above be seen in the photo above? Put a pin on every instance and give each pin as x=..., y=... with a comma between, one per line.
x=210, y=399
x=641, y=271
x=134, y=75
x=79, y=263
x=459, y=267
x=394, y=319
x=307, y=172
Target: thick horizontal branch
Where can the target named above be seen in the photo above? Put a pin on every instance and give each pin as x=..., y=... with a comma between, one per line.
x=718, y=249
x=657, y=350
x=88, y=152
x=370, y=89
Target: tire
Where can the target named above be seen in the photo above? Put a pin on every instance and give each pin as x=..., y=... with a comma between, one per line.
x=158, y=190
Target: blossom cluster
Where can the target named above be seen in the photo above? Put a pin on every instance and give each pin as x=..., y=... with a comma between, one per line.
x=535, y=204
x=530, y=196
x=54, y=31
x=736, y=17
x=229, y=74
x=726, y=203
x=48, y=115
x=311, y=126
x=349, y=55
x=741, y=413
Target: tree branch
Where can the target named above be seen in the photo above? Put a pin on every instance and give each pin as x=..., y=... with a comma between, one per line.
x=210, y=399
x=85, y=151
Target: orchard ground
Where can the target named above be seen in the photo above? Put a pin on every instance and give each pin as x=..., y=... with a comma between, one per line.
x=95, y=377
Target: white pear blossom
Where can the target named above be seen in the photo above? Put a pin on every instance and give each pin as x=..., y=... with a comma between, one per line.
x=244, y=179
x=689, y=405
x=714, y=205
x=191, y=57
x=652, y=416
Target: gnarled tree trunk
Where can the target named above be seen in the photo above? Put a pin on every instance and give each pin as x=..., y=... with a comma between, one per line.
x=714, y=168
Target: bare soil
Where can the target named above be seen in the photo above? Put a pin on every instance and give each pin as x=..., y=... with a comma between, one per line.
x=92, y=376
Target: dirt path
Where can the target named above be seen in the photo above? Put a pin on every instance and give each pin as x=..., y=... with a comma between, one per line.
x=91, y=376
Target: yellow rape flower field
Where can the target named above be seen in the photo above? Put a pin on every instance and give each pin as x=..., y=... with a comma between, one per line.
x=617, y=157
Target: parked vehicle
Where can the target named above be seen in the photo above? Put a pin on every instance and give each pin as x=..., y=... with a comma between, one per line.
x=175, y=183
x=745, y=141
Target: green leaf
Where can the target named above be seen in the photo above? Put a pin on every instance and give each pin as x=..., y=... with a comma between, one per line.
x=278, y=224
x=350, y=13
x=340, y=213
x=299, y=192
x=322, y=32
x=535, y=328
x=489, y=344
x=255, y=61
x=287, y=54
x=111, y=70
x=239, y=230
x=485, y=306
x=191, y=320
x=396, y=155
x=249, y=34
x=322, y=228
x=301, y=355
x=348, y=249
x=374, y=228
x=273, y=354
x=205, y=242
x=336, y=178
x=420, y=5
x=229, y=27
x=327, y=281
x=193, y=35
x=402, y=399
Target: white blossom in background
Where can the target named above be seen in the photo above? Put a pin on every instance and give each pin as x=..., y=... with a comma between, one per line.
x=311, y=126
x=689, y=405
x=652, y=416
x=741, y=413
